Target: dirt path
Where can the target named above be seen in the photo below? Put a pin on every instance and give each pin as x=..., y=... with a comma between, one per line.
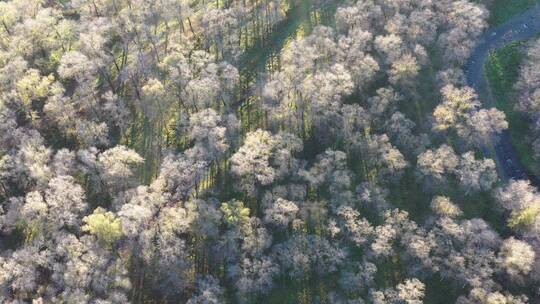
x=522, y=27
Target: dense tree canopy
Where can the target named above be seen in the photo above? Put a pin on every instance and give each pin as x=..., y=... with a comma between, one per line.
x=276, y=151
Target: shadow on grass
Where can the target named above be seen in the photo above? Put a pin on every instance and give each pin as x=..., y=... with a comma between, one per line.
x=504, y=10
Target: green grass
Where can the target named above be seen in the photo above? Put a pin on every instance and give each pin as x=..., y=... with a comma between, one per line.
x=503, y=10
x=502, y=69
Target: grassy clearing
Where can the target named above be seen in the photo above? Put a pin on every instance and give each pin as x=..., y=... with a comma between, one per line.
x=503, y=10
x=502, y=71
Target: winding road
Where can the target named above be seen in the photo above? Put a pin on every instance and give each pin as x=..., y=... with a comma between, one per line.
x=521, y=27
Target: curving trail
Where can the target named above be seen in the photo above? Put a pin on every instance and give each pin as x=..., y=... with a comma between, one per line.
x=522, y=27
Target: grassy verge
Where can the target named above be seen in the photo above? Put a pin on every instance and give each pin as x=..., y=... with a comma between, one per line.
x=503, y=10
x=502, y=70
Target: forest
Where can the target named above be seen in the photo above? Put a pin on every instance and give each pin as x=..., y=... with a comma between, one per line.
x=270, y=151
